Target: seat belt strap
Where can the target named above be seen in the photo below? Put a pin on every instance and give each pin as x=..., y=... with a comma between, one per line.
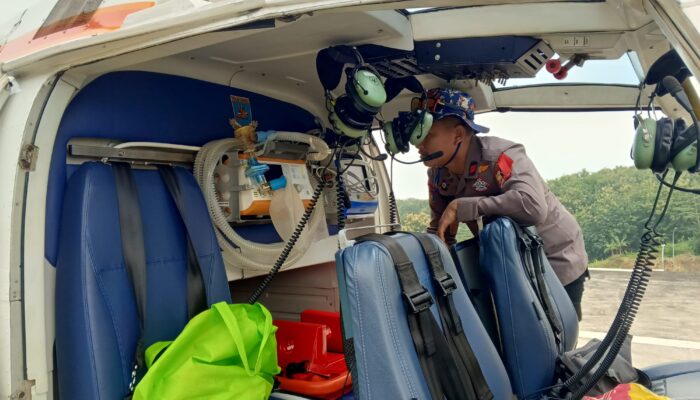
x=418, y=301
x=531, y=253
x=539, y=276
x=439, y=363
x=452, y=323
x=134, y=253
x=196, y=292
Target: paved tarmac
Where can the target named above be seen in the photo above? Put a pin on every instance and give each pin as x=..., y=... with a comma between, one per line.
x=667, y=327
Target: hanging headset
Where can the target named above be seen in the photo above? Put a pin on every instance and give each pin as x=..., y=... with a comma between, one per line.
x=663, y=142
x=352, y=113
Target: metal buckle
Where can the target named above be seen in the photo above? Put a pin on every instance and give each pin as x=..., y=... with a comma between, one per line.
x=420, y=301
x=447, y=284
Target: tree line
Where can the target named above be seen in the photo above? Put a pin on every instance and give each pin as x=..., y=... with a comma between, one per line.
x=611, y=205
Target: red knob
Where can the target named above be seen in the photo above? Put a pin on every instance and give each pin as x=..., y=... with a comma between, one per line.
x=553, y=66
x=561, y=74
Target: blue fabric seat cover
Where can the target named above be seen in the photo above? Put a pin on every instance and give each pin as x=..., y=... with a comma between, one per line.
x=374, y=317
x=677, y=380
x=97, y=325
x=528, y=343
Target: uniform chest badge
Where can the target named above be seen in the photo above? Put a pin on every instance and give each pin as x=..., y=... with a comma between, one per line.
x=480, y=185
x=443, y=185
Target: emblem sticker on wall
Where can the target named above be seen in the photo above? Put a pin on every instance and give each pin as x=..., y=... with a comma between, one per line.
x=242, y=112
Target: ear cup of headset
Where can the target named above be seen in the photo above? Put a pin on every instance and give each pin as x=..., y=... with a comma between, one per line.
x=684, y=151
x=343, y=128
x=366, y=90
x=663, y=143
x=644, y=143
x=348, y=120
x=421, y=126
x=686, y=158
x=389, y=138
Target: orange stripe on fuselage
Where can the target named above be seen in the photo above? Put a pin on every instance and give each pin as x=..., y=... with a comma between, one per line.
x=104, y=20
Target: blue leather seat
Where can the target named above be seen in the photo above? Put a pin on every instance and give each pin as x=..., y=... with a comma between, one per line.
x=97, y=324
x=374, y=318
x=529, y=347
x=530, y=352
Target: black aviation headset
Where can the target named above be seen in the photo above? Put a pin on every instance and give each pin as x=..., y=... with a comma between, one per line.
x=352, y=113
x=666, y=142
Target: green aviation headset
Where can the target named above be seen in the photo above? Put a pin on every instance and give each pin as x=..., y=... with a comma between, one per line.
x=408, y=128
x=657, y=144
x=351, y=114
x=666, y=142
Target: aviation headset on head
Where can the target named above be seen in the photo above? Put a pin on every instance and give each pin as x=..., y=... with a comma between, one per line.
x=409, y=127
x=665, y=141
x=352, y=113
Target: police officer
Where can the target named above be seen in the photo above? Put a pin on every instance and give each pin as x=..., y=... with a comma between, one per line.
x=481, y=176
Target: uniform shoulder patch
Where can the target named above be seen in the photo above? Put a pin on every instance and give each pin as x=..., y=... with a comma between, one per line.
x=504, y=169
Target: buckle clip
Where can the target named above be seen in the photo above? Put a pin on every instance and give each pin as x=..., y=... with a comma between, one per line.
x=447, y=284
x=420, y=301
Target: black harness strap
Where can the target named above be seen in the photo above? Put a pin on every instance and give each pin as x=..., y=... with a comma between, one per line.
x=418, y=301
x=134, y=253
x=196, y=293
x=451, y=320
x=438, y=362
x=531, y=252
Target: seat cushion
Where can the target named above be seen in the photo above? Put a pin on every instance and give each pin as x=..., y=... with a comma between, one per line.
x=374, y=318
x=97, y=324
x=677, y=380
x=529, y=347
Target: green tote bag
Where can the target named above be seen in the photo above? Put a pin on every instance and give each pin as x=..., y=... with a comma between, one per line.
x=226, y=352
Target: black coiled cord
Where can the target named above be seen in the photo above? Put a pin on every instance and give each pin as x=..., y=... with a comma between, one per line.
x=340, y=197
x=393, y=210
x=636, y=288
x=393, y=207
x=290, y=243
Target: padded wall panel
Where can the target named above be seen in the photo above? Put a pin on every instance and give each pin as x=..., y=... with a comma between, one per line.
x=146, y=106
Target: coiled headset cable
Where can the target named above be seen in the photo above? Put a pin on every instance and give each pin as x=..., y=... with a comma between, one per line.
x=322, y=183
x=621, y=325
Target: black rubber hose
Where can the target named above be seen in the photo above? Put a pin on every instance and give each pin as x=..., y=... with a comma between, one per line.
x=644, y=255
x=624, y=319
x=290, y=243
x=643, y=269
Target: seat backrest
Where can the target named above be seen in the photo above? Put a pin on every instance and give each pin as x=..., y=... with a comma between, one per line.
x=97, y=324
x=530, y=349
x=375, y=322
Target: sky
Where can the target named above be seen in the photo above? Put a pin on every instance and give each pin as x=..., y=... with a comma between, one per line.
x=558, y=143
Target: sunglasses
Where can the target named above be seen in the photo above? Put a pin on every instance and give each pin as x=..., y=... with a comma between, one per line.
x=418, y=103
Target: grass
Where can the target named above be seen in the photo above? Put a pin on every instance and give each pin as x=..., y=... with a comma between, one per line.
x=685, y=260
